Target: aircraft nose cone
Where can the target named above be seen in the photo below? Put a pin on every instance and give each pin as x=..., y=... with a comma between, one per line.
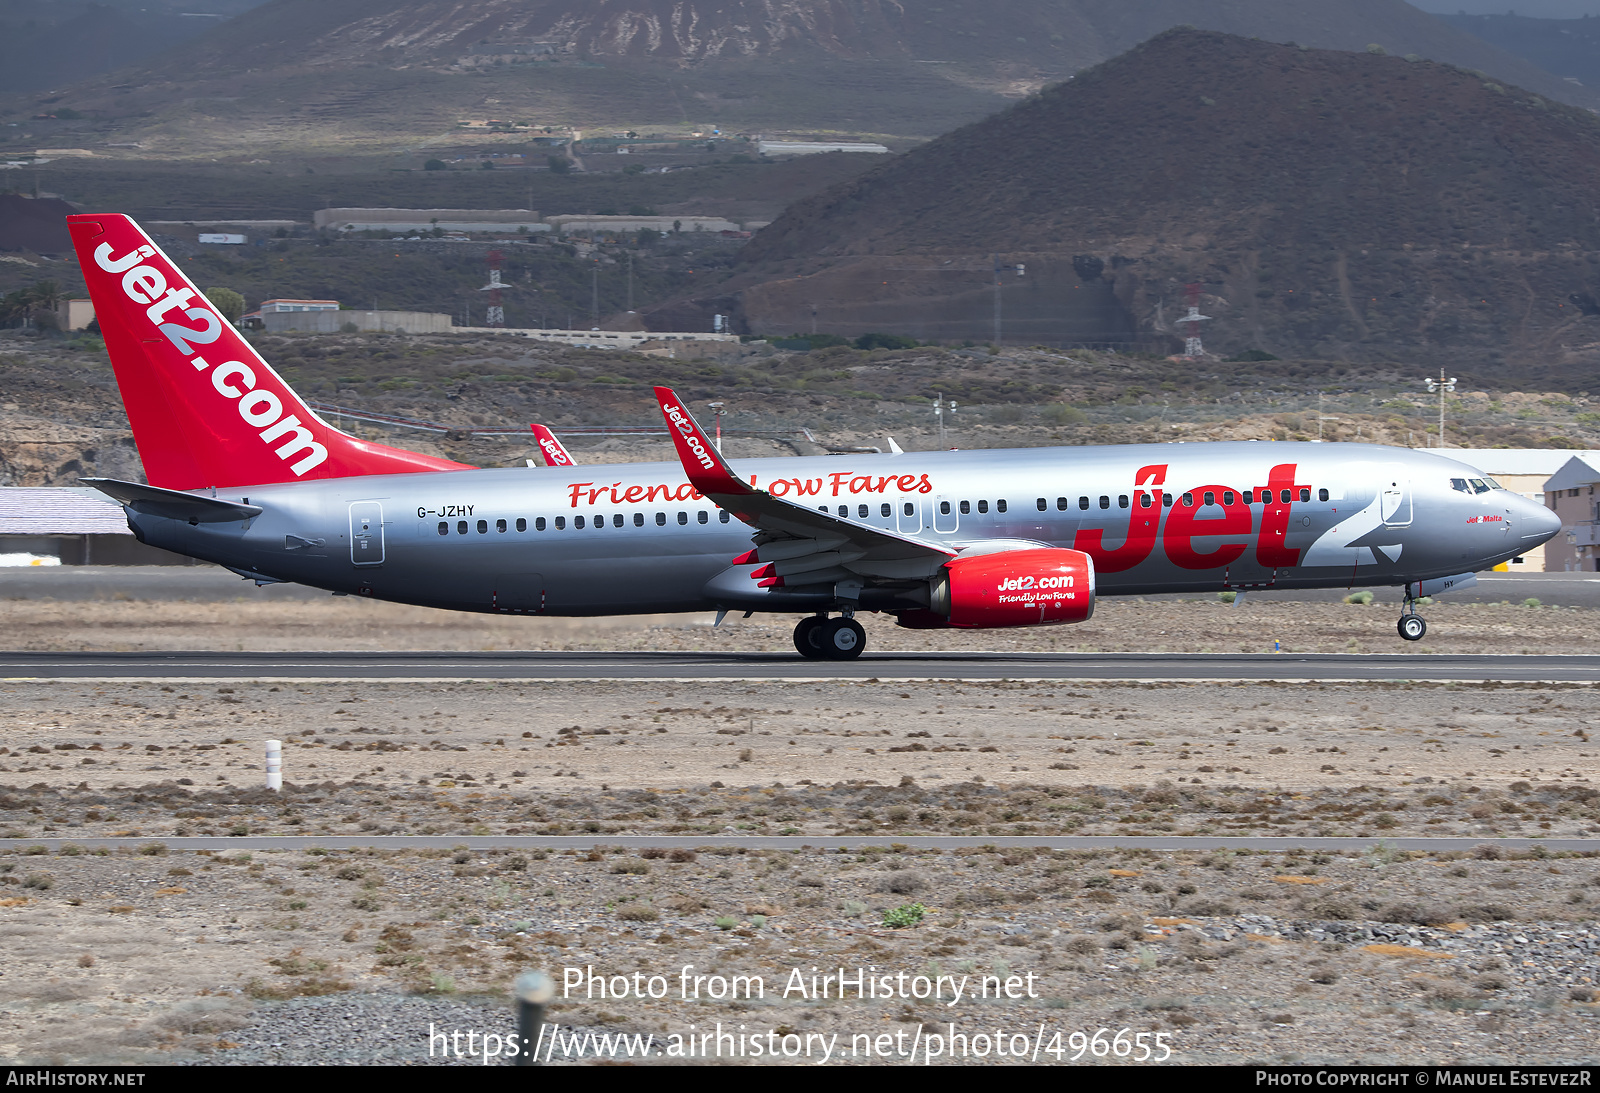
x=1538, y=522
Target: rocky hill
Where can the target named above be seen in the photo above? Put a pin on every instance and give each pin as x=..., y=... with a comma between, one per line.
x=377, y=73
x=1331, y=204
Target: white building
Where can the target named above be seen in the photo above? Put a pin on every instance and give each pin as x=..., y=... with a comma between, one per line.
x=814, y=147
x=611, y=225
x=410, y=221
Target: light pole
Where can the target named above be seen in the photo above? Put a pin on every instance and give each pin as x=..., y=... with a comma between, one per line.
x=1441, y=385
x=718, y=410
x=940, y=406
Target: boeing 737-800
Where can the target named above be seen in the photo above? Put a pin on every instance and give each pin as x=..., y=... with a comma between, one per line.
x=242, y=473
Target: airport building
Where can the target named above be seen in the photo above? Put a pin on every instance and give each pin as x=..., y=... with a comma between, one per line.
x=612, y=225
x=1570, y=494
x=411, y=221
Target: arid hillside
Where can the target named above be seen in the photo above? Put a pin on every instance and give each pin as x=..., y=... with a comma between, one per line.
x=380, y=74
x=1351, y=205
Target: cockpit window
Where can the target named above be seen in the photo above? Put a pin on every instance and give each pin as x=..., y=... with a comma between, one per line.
x=1493, y=485
x=1460, y=484
x=1479, y=485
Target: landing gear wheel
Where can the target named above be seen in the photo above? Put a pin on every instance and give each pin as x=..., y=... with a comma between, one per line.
x=842, y=639
x=1412, y=627
x=808, y=637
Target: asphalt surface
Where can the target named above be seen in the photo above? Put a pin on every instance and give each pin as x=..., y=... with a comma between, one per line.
x=212, y=584
x=747, y=667
x=791, y=842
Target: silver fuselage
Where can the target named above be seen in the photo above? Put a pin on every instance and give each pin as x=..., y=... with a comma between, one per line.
x=609, y=539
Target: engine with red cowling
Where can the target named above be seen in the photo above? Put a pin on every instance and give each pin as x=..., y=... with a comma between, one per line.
x=1010, y=588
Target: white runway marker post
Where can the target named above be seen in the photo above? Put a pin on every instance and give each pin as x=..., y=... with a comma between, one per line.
x=275, y=764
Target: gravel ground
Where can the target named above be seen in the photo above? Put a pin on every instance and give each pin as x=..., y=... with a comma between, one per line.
x=162, y=956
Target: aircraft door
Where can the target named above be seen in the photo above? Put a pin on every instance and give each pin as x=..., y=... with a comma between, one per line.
x=946, y=518
x=1394, y=493
x=909, y=516
x=366, y=533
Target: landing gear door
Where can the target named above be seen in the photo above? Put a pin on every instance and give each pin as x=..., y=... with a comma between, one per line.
x=1394, y=498
x=366, y=533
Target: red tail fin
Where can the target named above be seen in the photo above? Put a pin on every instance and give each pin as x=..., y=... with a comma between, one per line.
x=554, y=454
x=206, y=410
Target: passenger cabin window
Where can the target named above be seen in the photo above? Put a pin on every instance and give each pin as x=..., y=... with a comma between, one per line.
x=884, y=510
x=1144, y=500
x=1166, y=500
x=683, y=517
x=944, y=509
x=577, y=522
x=704, y=516
x=910, y=508
x=999, y=506
x=1249, y=497
x=522, y=525
x=1122, y=500
x=862, y=510
x=983, y=506
x=1105, y=502
x=461, y=527
x=616, y=521
x=722, y=514
x=1285, y=497
x=561, y=523
x=538, y=524
x=1227, y=497
x=966, y=508
x=1322, y=495
x=844, y=511
x=1042, y=504
x=1211, y=498
x=1188, y=500
x=638, y=519
x=1083, y=502
x=661, y=519
x=1061, y=503
x=500, y=526
x=1305, y=494
x=444, y=527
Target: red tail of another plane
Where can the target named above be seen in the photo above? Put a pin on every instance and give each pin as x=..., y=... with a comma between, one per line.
x=206, y=410
x=554, y=454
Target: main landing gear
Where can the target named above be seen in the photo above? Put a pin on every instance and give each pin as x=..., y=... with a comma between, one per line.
x=1411, y=624
x=821, y=638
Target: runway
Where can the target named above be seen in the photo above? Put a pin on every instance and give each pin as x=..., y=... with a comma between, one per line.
x=205, y=583
x=753, y=667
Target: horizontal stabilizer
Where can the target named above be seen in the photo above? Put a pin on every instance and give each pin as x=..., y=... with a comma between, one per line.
x=173, y=504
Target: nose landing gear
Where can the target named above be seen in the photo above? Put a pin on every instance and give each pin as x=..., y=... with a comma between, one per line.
x=1411, y=625
x=818, y=637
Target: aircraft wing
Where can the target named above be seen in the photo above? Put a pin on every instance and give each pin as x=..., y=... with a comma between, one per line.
x=799, y=545
x=555, y=455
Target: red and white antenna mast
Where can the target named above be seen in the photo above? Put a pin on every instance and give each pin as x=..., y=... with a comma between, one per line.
x=1191, y=322
x=496, y=314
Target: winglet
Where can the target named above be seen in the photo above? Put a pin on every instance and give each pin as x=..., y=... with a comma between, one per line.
x=701, y=461
x=554, y=454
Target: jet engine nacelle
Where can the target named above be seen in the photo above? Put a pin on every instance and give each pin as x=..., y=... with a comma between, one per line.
x=1015, y=588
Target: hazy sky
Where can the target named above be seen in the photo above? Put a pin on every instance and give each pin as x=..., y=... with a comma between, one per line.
x=1543, y=9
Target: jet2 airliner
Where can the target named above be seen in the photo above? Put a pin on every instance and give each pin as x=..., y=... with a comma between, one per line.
x=244, y=474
